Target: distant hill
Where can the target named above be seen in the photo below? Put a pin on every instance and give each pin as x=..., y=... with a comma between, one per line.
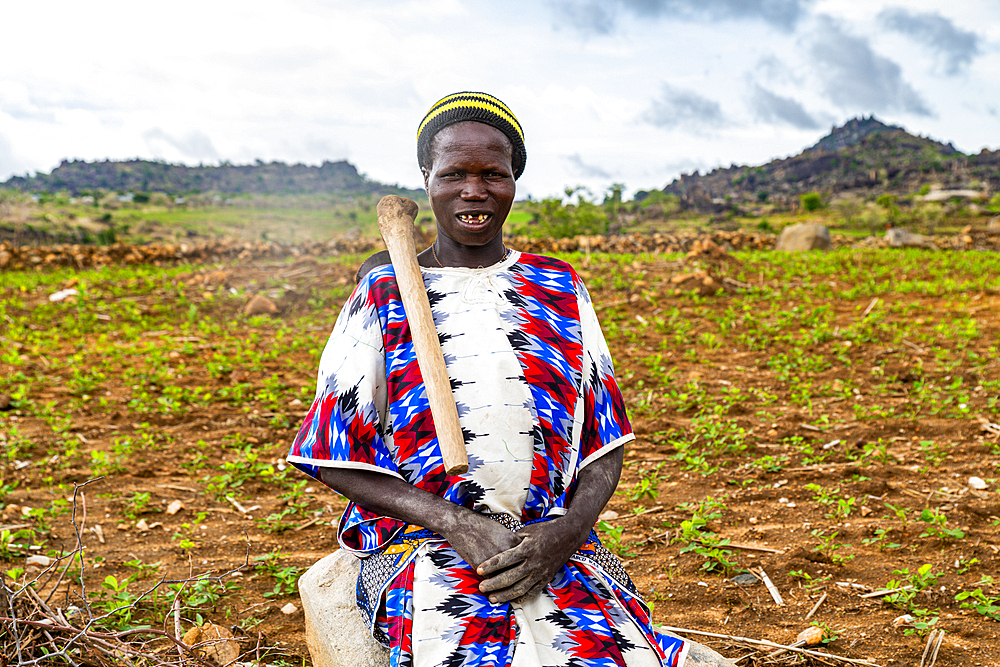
x=864, y=156
x=80, y=177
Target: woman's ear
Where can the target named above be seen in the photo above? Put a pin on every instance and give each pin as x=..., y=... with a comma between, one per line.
x=427, y=176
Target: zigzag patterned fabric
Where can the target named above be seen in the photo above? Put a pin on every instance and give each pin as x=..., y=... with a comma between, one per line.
x=538, y=401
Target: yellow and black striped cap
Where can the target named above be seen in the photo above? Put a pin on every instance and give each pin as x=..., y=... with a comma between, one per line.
x=478, y=107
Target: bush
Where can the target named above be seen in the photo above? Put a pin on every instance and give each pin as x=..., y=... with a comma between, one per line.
x=556, y=220
x=811, y=201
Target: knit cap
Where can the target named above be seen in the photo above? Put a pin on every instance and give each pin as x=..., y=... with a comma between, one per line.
x=478, y=107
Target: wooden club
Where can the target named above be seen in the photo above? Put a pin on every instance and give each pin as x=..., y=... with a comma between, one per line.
x=395, y=223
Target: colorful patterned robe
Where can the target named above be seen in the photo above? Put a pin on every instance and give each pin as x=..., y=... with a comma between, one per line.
x=537, y=401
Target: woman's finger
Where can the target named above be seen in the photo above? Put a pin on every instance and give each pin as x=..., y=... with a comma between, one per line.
x=535, y=590
x=502, y=560
x=515, y=592
x=505, y=578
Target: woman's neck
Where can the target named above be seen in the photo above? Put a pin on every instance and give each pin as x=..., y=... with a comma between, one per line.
x=447, y=253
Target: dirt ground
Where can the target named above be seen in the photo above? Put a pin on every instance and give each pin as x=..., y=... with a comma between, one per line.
x=885, y=434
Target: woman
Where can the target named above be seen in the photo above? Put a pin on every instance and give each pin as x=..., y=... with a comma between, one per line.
x=499, y=565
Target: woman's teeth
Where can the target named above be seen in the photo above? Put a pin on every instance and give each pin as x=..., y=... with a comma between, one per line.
x=465, y=217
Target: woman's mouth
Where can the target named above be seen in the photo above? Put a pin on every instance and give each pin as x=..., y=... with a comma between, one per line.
x=474, y=220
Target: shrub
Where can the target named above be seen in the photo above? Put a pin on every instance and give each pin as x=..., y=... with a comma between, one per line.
x=811, y=201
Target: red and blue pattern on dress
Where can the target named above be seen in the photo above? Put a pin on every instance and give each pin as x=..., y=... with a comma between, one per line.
x=371, y=412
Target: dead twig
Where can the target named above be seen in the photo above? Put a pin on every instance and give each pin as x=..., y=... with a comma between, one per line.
x=884, y=591
x=771, y=588
x=764, y=642
x=816, y=606
x=869, y=308
x=930, y=655
x=36, y=632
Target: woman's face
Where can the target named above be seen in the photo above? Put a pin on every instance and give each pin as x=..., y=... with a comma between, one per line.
x=470, y=182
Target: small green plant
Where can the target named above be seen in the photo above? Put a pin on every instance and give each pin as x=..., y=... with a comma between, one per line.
x=117, y=602
x=844, y=508
x=879, y=539
x=933, y=452
x=284, y=577
x=906, y=586
x=899, y=513
x=987, y=605
x=706, y=543
x=647, y=487
x=823, y=496
x=964, y=564
x=829, y=547
x=15, y=543
x=136, y=505
x=936, y=520
x=613, y=539
x=143, y=570
x=203, y=592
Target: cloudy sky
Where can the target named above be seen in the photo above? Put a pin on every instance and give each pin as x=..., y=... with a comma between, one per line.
x=632, y=91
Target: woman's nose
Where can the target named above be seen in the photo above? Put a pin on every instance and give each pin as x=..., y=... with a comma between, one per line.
x=474, y=188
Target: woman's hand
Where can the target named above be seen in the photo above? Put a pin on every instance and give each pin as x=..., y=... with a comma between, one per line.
x=478, y=538
x=475, y=537
x=522, y=572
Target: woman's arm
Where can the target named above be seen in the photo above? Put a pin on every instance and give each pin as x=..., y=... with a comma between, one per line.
x=474, y=536
x=524, y=570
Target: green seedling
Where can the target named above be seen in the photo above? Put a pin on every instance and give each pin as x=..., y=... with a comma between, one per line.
x=936, y=520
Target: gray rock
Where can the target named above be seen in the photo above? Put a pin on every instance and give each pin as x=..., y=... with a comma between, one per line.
x=902, y=238
x=804, y=236
x=746, y=579
x=699, y=654
x=337, y=636
x=335, y=632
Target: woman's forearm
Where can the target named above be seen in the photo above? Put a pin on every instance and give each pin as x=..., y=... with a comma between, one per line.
x=390, y=496
x=474, y=536
x=594, y=487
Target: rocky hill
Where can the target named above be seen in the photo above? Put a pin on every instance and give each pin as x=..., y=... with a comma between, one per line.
x=864, y=156
x=142, y=176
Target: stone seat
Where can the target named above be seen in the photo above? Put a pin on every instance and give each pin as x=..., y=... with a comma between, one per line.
x=337, y=636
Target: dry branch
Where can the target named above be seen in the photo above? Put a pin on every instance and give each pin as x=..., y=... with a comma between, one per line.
x=36, y=631
x=769, y=644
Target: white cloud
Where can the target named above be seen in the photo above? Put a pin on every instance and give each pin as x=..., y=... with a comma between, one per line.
x=308, y=80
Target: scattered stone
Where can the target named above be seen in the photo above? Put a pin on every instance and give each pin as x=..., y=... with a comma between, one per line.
x=5, y=403
x=142, y=526
x=216, y=278
x=811, y=636
x=746, y=579
x=978, y=483
x=38, y=561
x=62, y=295
x=216, y=643
x=289, y=609
x=609, y=515
x=98, y=531
x=901, y=621
x=260, y=305
x=898, y=237
x=174, y=507
x=804, y=236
